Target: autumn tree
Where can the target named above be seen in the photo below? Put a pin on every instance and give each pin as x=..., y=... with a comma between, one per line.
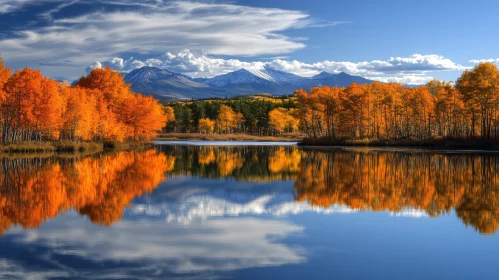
x=227, y=119
x=480, y=88
x=283, y=120
x=206, y=126
x=4, y=76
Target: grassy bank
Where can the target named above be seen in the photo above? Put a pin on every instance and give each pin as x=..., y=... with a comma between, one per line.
x=68, y=147
x=432, y=142
x=290, y=137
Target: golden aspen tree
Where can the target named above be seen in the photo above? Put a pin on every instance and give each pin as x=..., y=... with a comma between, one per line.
x=206, y=125
x=480, y=88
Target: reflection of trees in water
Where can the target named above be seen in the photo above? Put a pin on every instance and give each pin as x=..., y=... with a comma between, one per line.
x=246, y=163
x=34, y=190
x=388, y=181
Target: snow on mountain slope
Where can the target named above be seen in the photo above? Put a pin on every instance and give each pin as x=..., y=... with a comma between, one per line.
x=241, y=76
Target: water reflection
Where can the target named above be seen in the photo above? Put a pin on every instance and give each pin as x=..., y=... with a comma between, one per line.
x=389, y=181
x=210, y=212
x=406, y=183
x=33, y=190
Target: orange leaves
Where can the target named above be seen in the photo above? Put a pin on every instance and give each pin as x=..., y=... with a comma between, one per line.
x=109, y=82
x=123, y=113
x=227, y=119
x=283, y=120
x=143, y=115
x=394, y=111
x=206, y=125
x=4, y=76
x=480, y=89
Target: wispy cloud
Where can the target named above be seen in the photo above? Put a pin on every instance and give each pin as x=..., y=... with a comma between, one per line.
x=7, y=6
x=492, y=60
x=218, y=29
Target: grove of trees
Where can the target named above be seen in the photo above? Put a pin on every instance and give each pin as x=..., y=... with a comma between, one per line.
x=100, y=106
x=470, y=109
x=248, y=115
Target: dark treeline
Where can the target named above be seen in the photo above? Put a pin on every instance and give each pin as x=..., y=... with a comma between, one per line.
x=248, y=115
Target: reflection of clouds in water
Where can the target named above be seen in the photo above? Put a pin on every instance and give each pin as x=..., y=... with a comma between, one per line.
x=205, y=206
x=12, y=270
x=410, y=213
x=206, y=246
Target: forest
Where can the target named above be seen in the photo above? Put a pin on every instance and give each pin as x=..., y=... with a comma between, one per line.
x=466, y=109
x=98, y=107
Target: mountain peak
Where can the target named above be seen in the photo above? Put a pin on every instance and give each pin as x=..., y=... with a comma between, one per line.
x=166, y=84
x=152, y=73
x=241, y=76
x=322, y=75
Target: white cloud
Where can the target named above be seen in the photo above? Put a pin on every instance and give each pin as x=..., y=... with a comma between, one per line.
x=403, y=78
x=7, y=6
x=409, y=70
x=410, y=213
x=155, y=247
x=220, y=29
x=203, y=207
x=477, y=61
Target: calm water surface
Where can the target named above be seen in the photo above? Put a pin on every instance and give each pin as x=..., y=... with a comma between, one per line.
x=250, y=212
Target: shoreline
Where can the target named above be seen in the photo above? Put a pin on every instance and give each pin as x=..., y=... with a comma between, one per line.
x=227, y=137
x=456, y=144
x=67, y=147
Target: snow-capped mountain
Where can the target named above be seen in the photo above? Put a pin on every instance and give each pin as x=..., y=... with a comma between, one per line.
x=164, y=84
x=282, y=77
x=266, y=75
x=239, y=77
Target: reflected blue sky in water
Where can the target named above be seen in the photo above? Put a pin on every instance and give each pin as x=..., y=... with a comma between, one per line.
x=199, y=228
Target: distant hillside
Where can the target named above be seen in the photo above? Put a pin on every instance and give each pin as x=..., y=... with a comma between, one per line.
x=167, y=85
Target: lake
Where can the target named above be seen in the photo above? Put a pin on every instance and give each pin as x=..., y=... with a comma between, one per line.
x=186, y=210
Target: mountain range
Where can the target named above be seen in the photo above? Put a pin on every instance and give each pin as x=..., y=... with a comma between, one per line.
x=166, y=85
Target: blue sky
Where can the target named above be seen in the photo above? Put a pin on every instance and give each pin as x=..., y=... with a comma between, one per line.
x=405, y=41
